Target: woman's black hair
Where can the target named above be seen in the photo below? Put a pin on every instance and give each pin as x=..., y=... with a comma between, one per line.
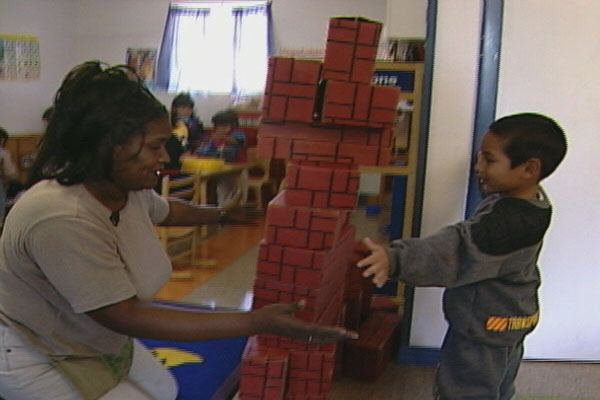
x=3, y=135
x=96, y=108
x=182, y=99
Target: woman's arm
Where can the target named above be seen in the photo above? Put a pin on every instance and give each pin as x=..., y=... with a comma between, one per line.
x=140, y=319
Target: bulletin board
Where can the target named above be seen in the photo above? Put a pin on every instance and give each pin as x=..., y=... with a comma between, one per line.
x=19, y=58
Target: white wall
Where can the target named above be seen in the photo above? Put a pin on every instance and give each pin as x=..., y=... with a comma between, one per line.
x=22, y=103
x=72, y=31
x=450, y=137
x=549, y=64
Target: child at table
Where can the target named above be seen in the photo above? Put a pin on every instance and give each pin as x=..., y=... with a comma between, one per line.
x=186, y=125
x=228, y=143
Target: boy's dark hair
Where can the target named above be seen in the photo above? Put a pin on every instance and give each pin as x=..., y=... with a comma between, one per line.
x=531, y=135
x=3, y=133
x=225, y=117
x=96, y=108
x=182, y=99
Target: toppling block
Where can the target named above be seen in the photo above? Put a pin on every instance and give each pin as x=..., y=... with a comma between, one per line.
x=351, y=49
x=357, y=290
x=317, y=132
x=309, y=228
x=367, y=357
x=263, y=372
x=347, y=103
x=321, y=186
x=290, y=89
x=323, y=151
x=306, y=267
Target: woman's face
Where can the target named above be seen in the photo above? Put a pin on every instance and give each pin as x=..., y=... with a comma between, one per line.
x=136, y=163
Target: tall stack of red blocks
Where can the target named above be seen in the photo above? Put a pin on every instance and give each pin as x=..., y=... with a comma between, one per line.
x=326, y=118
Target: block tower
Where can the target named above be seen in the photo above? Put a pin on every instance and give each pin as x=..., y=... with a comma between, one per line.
x=325, y=118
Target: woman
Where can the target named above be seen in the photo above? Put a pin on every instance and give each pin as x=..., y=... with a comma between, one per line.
x=79, y=259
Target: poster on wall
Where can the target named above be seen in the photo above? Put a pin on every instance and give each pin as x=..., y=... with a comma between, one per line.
x=143, y=60
x=19, y=57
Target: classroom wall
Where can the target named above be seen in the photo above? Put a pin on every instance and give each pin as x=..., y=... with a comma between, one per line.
x=22, y=103
x=450, y=137
x=548, y=64
x=73, y=31
x=550, y=54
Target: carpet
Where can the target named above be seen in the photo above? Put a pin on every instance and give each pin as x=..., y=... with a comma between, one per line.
x=204, y=370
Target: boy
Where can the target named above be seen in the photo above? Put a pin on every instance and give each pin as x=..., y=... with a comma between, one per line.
x=487, y=263
x=226, y=142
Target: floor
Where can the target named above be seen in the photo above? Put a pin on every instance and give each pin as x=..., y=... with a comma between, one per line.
x=229, y=282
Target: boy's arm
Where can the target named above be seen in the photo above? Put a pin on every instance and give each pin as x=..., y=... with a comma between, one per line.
x=431, y=261
x=473, y=250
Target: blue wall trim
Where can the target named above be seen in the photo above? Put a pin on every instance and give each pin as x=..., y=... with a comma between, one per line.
x=420, y=356
x=487, y=89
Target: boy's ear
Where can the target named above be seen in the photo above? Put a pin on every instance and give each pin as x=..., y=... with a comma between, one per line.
x=533, y=168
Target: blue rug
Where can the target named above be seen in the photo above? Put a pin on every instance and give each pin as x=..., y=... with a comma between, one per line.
x=204, y=370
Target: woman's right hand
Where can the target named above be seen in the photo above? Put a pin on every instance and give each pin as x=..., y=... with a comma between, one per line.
x=278, y=319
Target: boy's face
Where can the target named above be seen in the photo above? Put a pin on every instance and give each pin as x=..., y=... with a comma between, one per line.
x=221, y=131
x=494, y=171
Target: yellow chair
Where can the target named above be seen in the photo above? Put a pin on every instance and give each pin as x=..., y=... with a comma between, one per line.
x=255, y=183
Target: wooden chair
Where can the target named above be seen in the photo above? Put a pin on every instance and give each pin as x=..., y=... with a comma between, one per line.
x=259, y=175
x=180, y=242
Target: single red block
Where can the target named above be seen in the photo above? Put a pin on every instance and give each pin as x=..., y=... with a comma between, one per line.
x=385, y=97
x=283, y=148
x=307, y=91
x=369, y=32
x=314, y=178
x=362, y=101
x=339, y=92
x=292, y=237
x=383, y=116
x=337, y=34
x=298, y=197
x=342, y=200
x=367, y=357
x=320, y=199
x=306, y=71
x=365, y=52
x=299, y=109
x=277, y=108
x=265, y=147
x=320, y=148
x=362, y=70
x=282, y=68
x=338, y=56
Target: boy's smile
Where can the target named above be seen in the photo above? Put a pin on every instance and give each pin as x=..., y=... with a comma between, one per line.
x=495, y=174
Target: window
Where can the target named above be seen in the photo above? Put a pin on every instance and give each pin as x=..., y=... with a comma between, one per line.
x=215, y=47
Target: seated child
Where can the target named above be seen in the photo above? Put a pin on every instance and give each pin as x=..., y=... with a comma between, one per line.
x=186, y=125
x=228, y=143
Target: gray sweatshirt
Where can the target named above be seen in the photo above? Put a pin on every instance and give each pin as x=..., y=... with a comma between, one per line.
x=488, y=265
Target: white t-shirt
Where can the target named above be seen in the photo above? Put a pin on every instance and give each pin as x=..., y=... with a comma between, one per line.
x=61, y=256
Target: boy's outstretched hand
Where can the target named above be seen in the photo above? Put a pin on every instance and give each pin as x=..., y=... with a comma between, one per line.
x=377, y=264
x=278, y=319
